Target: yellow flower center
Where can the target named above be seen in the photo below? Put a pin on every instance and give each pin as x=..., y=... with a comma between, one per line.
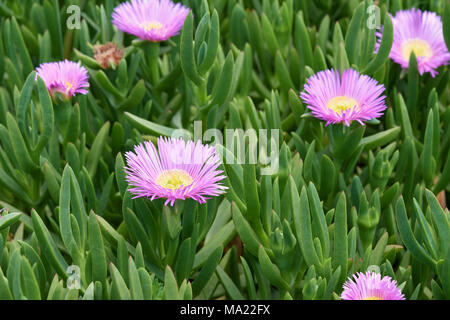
x=68, y=86
x=420, y=48
x=173, y=179
x=152, y=25
x=342, y=103
x=372, y=298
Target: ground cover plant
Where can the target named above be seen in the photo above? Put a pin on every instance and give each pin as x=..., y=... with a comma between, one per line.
x=224, y=149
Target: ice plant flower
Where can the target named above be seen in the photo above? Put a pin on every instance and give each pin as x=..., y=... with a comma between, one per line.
x=108, y=54
x=370, y=286
x=419, y=32
x=152, y=20
x=65, y=77
x=343, y=99
x=177, y=170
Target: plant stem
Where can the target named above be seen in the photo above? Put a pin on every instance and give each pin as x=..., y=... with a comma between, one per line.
x=151, y=51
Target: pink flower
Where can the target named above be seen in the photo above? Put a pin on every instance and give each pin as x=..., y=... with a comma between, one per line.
x=370, y=286
x=177, y=170
x=421, y=33
x=153, y=20
x=343, y=99
x=65, y=77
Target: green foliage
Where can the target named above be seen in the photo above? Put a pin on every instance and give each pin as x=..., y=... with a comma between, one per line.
x=342, y=200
